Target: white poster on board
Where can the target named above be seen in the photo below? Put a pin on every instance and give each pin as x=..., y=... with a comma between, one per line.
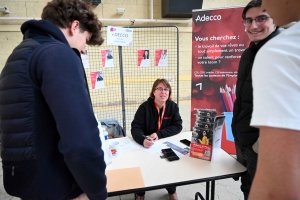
x=85, y=59
x=119, y=36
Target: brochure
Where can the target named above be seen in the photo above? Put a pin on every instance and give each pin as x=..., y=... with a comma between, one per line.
x=206, y=134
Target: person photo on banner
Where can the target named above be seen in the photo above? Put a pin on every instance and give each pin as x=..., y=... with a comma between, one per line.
x=157, y=118
x=99, y=80
x=260, y=28
x=164, y=54
x=276, y=91
x=99, y=76
x=109, y=54
x=204, y=139
x=143, y=58
x=161, y=57
x=146, y=54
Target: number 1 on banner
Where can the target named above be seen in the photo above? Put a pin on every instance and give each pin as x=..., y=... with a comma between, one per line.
x=200, y=86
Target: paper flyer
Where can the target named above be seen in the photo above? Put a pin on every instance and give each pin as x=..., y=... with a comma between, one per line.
x=143, y=58
x=97, y=79
x=119, y=36
x=107, y=58
x=85, y=59
x=161, y=57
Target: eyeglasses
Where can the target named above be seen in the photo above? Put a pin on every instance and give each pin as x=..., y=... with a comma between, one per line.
x=258, y=20
x=162, y=89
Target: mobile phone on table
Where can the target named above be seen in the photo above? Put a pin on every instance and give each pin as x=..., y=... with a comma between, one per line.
x=170, y=154
x=186, y=142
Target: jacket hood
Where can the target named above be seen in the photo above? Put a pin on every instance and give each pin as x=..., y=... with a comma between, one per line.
x=47, y=27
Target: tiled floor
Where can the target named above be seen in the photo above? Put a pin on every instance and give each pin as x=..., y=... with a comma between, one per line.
x=226, y=189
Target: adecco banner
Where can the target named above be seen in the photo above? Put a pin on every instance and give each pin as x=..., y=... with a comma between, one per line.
x=218, y=41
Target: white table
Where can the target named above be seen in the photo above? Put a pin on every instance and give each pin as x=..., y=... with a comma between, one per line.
x=159, y=173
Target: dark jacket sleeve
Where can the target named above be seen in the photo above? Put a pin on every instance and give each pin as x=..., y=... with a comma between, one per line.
x=175, y=126
x=62, y=83
x=138, y=125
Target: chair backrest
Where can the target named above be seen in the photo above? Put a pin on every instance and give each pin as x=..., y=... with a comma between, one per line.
x=113, y=128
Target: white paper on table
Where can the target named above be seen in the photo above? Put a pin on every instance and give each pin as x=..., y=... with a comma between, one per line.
x=155, y=148
x=159, y=145
x=124, y=143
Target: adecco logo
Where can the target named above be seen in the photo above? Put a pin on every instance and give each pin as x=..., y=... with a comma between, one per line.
x=208, y=18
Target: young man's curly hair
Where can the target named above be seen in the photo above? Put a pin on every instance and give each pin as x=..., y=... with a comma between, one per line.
x=63, y=12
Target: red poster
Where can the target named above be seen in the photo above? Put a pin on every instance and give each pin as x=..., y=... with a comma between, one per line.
x=103, y=56
x=161, y=57
x=143, y=58
x=97, y=79
x=107, y=58
x=218, y=41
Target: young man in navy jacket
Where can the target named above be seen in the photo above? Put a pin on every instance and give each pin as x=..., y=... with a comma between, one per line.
x=50, y=140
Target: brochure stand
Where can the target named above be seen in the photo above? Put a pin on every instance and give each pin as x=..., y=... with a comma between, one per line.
x=207, y=134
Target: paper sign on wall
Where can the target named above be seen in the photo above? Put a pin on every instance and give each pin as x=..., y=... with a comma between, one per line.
x=97, y=79
x=161, y=57
x=85, y=59
x=143, y=58
x=119, y=36
x=107, y=58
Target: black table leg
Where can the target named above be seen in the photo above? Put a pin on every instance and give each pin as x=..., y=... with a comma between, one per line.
x=207, y=190
x=212, y=195
x=198, y=194
x=212, y=192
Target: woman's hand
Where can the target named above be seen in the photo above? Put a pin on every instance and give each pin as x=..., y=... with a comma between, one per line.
x=154, y=137
x=148, y=142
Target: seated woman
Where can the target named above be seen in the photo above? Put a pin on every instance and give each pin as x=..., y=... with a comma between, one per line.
x=157, y=118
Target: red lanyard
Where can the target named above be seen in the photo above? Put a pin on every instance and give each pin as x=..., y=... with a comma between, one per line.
x=160, y=119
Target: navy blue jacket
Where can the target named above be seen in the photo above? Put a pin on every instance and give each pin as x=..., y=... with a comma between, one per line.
x=50, y=140
x=145, y=121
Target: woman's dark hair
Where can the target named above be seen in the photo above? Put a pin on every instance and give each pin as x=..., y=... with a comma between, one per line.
x=63, y=12
x=251, y=4
x=156, y=83
x=146, y=56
